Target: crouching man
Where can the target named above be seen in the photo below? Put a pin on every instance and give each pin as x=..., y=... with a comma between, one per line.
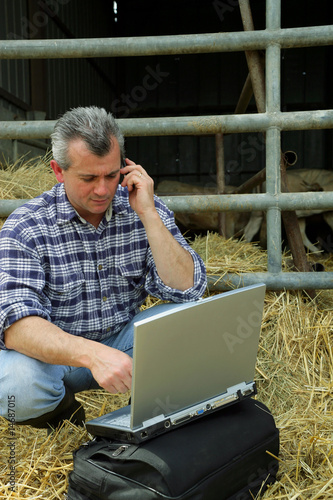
x=76, y=264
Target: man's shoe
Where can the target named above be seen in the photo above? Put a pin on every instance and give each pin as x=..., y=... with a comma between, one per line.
x=68, y=409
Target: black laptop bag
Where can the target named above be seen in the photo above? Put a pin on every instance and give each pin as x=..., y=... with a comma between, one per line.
x=230, y=454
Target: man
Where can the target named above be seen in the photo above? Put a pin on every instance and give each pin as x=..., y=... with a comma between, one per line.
x=76, y=264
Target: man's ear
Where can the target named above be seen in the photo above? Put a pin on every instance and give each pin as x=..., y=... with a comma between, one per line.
x=57, y=171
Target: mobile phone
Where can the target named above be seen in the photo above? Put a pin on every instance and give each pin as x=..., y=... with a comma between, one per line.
x=123, y=164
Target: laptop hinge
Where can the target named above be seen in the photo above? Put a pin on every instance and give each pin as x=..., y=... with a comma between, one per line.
x=154, y=420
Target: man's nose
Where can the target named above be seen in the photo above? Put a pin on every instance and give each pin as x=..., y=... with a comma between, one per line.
x=101, y=188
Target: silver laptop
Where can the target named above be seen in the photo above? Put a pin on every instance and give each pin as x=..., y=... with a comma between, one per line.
x=188, y=362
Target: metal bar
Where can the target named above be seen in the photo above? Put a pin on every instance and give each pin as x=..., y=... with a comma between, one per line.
x=322, y=201
x=8, y=206
x=163, y=45
x=185, y=125
x=274, y=242
x=273, y=139
x=253, y=59
x=248, y=202
x=36, y=144
x=278, y=281
x=220, y=176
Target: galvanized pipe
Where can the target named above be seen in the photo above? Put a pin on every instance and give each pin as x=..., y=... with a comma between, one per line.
x=274, y=242
x=8, y=206
x=187, y=125
x=323, y=201
x=248, y=202
x=220, y=177
x=164, y=45
x=273, y=140
x=278, y=281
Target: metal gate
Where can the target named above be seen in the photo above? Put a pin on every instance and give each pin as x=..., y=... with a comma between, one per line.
x=272, y=121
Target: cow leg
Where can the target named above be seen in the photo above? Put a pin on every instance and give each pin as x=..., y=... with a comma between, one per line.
x=306, y=242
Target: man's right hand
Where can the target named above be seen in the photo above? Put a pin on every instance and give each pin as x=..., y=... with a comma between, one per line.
x=112, y=369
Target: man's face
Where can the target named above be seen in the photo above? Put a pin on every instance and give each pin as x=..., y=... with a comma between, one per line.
x=91, y=181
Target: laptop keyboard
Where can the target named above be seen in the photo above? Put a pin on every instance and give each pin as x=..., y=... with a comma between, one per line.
x=123, y=420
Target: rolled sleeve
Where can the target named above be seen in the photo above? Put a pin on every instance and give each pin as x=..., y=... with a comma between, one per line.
x=156, y=287
x=21, y=285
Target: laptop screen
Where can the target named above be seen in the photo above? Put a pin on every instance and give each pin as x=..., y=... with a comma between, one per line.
x=195, y=352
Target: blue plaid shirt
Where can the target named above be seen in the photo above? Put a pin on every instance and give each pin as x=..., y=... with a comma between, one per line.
x=89, y=282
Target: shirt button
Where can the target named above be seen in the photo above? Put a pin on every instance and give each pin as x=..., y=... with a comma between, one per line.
x=108, y=329
x=100, y=267
x=105, y=299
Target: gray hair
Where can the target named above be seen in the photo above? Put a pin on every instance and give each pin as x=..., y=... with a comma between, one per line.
x=94, y=126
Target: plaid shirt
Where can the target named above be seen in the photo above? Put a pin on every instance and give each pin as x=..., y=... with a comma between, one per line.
x=89, y=282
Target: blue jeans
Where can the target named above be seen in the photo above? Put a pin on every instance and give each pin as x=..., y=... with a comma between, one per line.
x=32, y=388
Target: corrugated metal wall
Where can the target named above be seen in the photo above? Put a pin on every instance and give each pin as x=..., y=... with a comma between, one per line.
x=53, y=86
x=14, y=75
x=75, y=82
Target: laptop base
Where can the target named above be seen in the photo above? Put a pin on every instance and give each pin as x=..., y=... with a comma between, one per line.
x=106, y=426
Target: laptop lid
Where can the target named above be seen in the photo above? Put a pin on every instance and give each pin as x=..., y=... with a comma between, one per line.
x=196, y=352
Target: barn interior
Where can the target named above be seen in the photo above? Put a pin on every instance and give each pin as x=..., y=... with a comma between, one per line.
x=168, y=85
x=295, y=361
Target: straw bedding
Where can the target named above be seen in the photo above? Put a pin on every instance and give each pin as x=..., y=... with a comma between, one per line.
x=294, y=374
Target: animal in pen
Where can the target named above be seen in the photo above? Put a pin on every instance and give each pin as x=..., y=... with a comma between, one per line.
x=250, y=224
x=235, y=222
x=319, y=222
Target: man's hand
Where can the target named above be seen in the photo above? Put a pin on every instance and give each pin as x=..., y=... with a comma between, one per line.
x=140, y=188
x=112, y=369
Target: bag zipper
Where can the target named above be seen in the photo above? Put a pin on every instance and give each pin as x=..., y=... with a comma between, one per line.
x=120, y=450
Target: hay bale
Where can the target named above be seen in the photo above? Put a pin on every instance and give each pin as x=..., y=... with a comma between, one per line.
x=294, y=374
x=26, y=179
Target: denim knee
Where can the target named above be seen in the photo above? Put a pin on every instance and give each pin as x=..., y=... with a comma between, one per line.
x=30, y=386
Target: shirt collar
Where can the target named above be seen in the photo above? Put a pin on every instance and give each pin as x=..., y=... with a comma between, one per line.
x=65, y=211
